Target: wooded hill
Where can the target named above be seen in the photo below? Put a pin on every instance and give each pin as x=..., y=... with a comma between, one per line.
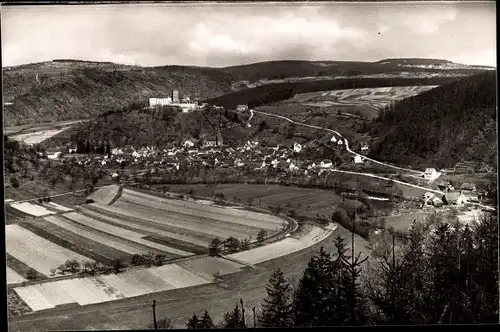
x=440, y=127
x=147, y=127
x=77, y=90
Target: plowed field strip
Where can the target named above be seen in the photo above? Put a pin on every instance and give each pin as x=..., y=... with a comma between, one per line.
x=21, y=268
x=40, y=254
x=75, y=242
x=195, y=220
x=13, y=277
x=178, y=244
x=16, y=213
x=238, y=216
x=197, y=238
x=105, y=195
x=123, y=233
x=139, y=211
x=191, y=206
x=98, y=236
x=147, y=231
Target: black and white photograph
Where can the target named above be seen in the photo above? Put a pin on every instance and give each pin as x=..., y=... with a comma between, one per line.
x=234, y=165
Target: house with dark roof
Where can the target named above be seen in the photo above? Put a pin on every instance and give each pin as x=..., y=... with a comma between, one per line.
x=455, y=198
x=213, y=140
x=445, y=186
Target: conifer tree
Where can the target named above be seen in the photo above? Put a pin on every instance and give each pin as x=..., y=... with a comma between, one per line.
x=313, y=298
x=193, y=322
x=233, y=319
x=276, y=309
x=206, y=321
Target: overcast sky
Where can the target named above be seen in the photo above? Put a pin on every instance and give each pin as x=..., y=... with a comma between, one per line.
x=231, y=34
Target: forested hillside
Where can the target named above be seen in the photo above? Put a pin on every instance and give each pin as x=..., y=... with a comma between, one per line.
x=145, y=127
x=270, y=93
x=443, y=126
x=72, y=91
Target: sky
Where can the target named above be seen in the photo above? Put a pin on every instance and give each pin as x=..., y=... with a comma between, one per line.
x=219, y=35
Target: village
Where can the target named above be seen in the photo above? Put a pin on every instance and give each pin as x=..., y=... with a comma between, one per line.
x=130, y=164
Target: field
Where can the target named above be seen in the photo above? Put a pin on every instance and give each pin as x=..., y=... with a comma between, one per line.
x=373, y=99
x=35, y=251
x=13, y=277
x=136, y=282
x=32, y=209
x=105, y=195
x=38, y=136
x=131, y=283
x=283, y=247
x=179, y=304
x=305, y=201
x=136, y=223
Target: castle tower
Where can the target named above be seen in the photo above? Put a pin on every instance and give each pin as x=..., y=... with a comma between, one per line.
x=175, y=96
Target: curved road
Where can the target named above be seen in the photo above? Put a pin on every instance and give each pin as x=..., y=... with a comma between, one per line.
x=355, y=153
x=345, y=141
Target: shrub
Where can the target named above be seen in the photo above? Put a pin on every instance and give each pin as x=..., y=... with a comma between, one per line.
x=14, y=182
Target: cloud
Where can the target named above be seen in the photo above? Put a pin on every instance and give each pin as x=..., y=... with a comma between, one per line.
x=290, y=32
x=430, y=20
x=224, y=35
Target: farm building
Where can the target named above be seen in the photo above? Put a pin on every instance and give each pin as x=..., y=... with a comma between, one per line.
x=334, y=140
x=455, y=198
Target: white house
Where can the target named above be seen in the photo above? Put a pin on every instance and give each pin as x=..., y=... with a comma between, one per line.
x=54, y=156
x=358, y=159
x=430, y=173
x=114, y=176
x=326, y=164
x=242, y=108
x=292, y=167
x=334, y=140
x=339, y=142
x=297, y=147
x=455, y=198
x=188, y=144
